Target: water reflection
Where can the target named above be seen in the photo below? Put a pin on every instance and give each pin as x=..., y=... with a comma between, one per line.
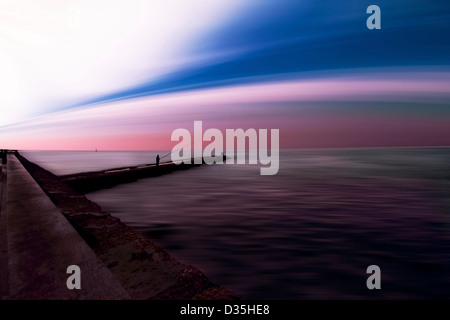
x=311, y=230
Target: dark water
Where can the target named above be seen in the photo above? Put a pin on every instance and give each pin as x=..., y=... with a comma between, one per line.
x=310, y=231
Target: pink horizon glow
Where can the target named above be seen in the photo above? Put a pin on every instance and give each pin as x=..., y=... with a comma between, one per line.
x=146, y=123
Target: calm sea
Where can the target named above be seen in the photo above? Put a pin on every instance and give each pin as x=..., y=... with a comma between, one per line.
x=308, y=232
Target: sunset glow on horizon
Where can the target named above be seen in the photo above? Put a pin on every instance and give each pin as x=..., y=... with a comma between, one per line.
x=114, y=75
x=336, y=112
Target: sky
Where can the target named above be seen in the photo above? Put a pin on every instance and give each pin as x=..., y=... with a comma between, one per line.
x=122, y=75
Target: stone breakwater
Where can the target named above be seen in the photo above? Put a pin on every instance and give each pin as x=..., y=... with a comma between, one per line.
x=86, y=182
x=143, y=269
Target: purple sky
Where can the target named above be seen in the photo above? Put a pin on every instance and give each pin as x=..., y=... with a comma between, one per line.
x=387, y=109
x=117, y=75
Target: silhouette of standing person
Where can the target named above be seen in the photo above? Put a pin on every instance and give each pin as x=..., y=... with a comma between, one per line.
x=157, y=160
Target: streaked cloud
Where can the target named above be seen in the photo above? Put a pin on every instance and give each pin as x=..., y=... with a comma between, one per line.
x=338, y=104
x=123, y=74
x=54, y=54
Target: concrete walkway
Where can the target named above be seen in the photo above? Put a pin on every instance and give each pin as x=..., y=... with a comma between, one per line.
x=37, y=244
x=3, y=236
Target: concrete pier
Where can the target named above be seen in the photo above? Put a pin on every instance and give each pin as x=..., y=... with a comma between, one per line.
x=3, y=234
x=46, y=226
x=38, y=244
